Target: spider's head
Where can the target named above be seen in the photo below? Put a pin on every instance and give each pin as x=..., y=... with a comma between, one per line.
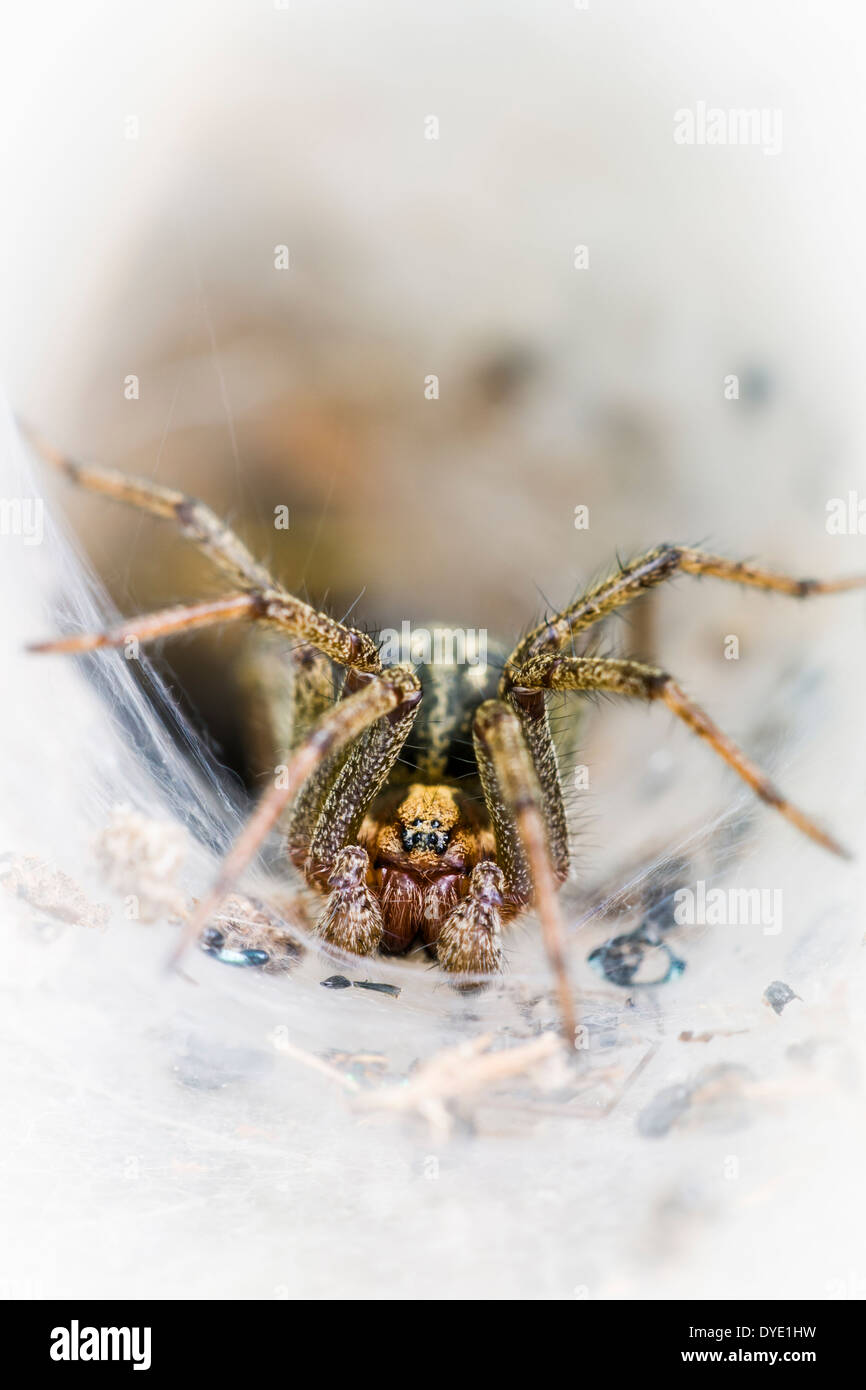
x=425, y=834
x=430, y=832
x=425, y=820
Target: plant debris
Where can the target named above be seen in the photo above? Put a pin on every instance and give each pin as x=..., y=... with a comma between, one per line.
x=52, y=892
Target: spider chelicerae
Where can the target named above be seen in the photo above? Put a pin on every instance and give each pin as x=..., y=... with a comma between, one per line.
x=401, y=845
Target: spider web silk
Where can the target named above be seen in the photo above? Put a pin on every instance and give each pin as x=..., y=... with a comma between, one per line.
x=148, y=1116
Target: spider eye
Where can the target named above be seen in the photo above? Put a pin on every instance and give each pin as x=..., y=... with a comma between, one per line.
x=417, y=820
x=435, y=824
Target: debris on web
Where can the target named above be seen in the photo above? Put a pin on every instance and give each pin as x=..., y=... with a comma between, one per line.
x=141, y=859
x=51, y=891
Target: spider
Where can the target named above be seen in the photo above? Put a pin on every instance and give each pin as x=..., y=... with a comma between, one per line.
x=400, y=846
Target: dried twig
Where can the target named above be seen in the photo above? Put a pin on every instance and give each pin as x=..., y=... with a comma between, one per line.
x=456, y=1073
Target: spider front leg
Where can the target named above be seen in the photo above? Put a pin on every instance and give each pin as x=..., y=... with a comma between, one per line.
x=631, y=582
x=328, y=821
x=526, y=874
x=261, y=598
x=387, y=700
x=340, y=763
x=358, y=742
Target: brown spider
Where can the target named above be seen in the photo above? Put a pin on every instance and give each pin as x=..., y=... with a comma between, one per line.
x=398, y=846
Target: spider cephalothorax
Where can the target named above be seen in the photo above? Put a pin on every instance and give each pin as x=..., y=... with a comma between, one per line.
x=424, y=806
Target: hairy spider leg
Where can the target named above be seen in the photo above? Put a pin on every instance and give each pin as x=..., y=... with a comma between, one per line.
x=515, y=800
x=262, y=599
x=380, y=696
x=636, y=681
x=645, y=572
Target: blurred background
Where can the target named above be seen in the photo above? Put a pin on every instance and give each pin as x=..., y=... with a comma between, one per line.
x=241, y=239
x=160, y=160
